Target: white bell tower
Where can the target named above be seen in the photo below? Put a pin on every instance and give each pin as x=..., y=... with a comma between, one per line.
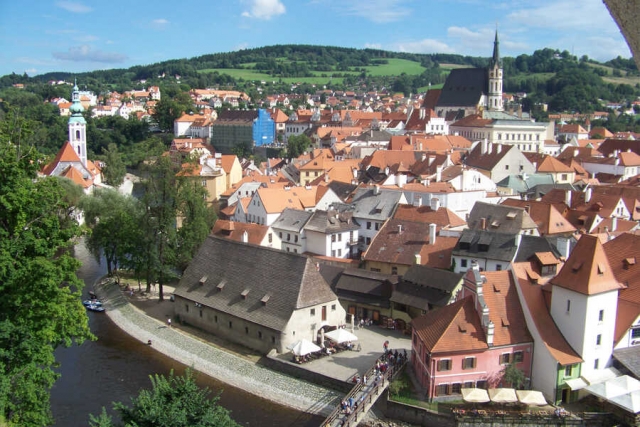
x=78, y=126
x=495, y=79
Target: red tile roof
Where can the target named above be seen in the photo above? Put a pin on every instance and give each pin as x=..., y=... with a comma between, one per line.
x=442, y=217
x=587, y=271
x=66, y=154
x=235, y=230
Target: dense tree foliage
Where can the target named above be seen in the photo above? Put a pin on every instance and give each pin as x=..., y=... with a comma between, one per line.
x=114, y=170
x=173, y=401
x=40, y=308
x=297, y=145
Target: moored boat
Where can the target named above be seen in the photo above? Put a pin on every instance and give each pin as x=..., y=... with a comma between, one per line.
x=92, y=302
x=94, y=307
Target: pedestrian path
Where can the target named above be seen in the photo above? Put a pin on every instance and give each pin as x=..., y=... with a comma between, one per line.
x=205, y=358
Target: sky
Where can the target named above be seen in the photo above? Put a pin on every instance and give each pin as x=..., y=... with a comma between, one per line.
x=41, y=36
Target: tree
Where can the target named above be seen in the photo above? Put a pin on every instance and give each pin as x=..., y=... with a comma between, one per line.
x=41, y=307
x=197, y=219
x=114, y=170
x=297, y=145
x=166, y=112
x=173, y=401
x=113, y=219
x=513, y=376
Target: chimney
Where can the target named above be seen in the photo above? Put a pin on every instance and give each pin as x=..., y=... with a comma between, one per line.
x=567, y=198
x=432, y=234
x=483, y=223
x=245, y=237
x=376, y=189
x=518, y=240
x=399, y=228
x=435, y=203
x=614, y=223
x=587, y=194
x=527, y=208
x=576, y=152
x=417, y=201
x=422, y=113
x=438, y=173
x=424, y=157
x=418, y=258
x=483, y=146
x=490, y=333
x=489, y=148
x=498, y=148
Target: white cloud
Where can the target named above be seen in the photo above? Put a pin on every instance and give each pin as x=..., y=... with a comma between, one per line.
x=75, y=7
x=31, y=71
x=424, y=46
x=160, y=21
x=373, y=46
x=241, y=46
x=590, y=15
x=86, y=38
x=379, y=11
x=264, y=9
x=87, y=53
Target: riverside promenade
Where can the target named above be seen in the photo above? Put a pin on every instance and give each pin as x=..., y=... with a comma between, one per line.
x=237, y=371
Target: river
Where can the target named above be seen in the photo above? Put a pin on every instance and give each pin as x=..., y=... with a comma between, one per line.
x=116, y=367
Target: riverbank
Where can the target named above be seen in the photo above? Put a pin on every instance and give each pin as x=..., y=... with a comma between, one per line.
x=236, y=369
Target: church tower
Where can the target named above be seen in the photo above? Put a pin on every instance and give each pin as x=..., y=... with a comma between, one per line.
x=78, y=126
x=495, y=79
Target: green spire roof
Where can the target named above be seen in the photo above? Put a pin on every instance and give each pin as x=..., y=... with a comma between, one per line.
x=495, y=60
x=76, y=108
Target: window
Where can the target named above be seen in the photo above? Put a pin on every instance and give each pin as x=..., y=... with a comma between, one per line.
x=273, y=339
x=288, y=237
x=230, y=324
x=368, y=225
x=200, y=313
x=599, y=339
x=368, y=241
x=518, y=356
x=394, y=270
x=313, y=312
x=469, y=384
x=596, y=364
x=280, y=234
x=340, y=237
x=441, y=389
x=306, y=173
x=463, y=263
x=377, y=224
x=468, y=363
x=481, y=384
x=564, y=176
x=215, y=318
x=635, y=333
x=204, y=182
x=506, y=167
x=260, y=334
x=333, y=253
x=567, y=370
x=504, y=358
x=600, y=315
x=333, y=237
x=498, y=267
x=186, y=308
x=333, y=307
x=295, y=238
x=444, y=365
x=339, y=252
x=455, y=388
x=568, y=305
x=246, y=330
x=270, y=237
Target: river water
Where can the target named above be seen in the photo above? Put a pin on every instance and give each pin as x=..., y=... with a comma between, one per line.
x=116, y=367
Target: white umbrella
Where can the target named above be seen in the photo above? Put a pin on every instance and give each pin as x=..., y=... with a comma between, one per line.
x=303, y=347
x=503, y=395
x=629, y=401
x=340, y=336
x=614, y=387
x=531, y=397
x=475, y=395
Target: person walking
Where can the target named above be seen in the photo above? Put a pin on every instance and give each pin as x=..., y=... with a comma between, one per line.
x=169, y=322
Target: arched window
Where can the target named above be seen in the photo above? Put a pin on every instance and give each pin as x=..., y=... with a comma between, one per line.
x=77, y=134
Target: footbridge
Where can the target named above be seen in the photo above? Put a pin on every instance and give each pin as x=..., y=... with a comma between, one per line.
x=365, y=393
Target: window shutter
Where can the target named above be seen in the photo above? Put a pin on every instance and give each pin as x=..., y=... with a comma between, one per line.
x=439, y=368
x=473, y=365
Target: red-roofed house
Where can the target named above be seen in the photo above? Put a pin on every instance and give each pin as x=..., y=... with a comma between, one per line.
x=468, y=343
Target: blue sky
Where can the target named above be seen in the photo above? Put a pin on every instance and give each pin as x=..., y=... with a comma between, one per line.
x=68, y=35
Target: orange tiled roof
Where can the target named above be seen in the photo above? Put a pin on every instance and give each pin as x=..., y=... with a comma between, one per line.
x=74, y=175
x=277, y=199
x=454, y=327
x=66, y=154
x=552, y=165
x=443, y=217
x=587, y=271
x=227, y=161
x=623, y=254
x=235, y=230
x=545, y=215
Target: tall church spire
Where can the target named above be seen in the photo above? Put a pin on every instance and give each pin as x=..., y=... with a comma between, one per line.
x=496, y=52
x=78, y=126
x=494, y=98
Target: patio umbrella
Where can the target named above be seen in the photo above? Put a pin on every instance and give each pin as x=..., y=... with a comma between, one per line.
x=614, y=387
x=629, y=401
x=303, y=347
x=340, y=336
x=531, y=397
x=503, y=395
x=475, y=395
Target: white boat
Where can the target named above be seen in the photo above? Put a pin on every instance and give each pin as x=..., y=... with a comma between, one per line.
x=88, y=302
x=94, y=307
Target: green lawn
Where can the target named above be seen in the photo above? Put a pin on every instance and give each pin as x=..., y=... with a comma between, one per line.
x=395, y=67
x=539, y=76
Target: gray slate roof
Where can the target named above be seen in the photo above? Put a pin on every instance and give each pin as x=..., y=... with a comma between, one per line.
x=332, y=221
x=291, y=220
x=486, y=244
x=425, y=287
x=371, y=206
x=365, y=286
x=629, y=358
x=500, y=218
x=464, y=87
x=436, y=278
x=289, y=281
x=530, y=245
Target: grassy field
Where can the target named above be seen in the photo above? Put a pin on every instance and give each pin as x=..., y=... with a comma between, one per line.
x=630, y=80
x=395, y=67
x=453, y=66
x=539, y=76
